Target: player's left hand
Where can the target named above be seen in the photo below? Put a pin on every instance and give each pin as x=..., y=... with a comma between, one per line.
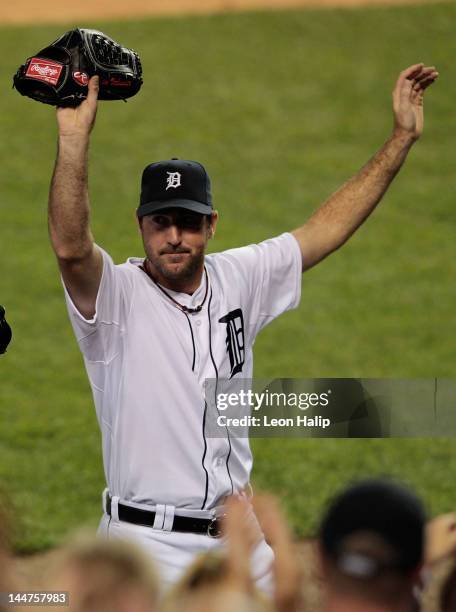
x=408, y=97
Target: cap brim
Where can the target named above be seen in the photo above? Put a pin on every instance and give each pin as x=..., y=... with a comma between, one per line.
x=152, y=207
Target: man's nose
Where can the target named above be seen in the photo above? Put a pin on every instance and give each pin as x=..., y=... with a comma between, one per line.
x=174, y=235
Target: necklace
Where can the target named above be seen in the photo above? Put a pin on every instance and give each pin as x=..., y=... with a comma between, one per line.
x=181, y=307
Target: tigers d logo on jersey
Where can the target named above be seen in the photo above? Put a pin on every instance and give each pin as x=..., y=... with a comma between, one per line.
x=235, y=342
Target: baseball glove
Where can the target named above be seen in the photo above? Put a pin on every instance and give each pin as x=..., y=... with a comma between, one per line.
x=59, y=74
x=5, y=332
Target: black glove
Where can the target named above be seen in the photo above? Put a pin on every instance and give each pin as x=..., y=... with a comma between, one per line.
x=5, y=331
x=59, y=74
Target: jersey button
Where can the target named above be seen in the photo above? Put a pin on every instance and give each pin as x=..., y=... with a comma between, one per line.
x=198, y=322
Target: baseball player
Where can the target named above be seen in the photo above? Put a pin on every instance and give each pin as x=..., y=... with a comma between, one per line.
x=153, y=329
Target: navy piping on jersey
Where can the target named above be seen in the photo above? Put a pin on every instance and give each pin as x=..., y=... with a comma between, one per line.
x=205, y=407
x=204, y=417
x=193, y=340
x=216, y=384
x=204, y=456
x=205, y=410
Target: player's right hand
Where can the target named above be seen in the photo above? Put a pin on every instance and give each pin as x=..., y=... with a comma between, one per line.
x=79, y=121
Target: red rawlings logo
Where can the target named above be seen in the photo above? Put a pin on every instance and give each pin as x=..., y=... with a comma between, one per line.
x=119, y=82
x=81, y=77
x=44, y=70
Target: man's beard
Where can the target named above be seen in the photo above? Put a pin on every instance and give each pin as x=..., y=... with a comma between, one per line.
x=186, y=270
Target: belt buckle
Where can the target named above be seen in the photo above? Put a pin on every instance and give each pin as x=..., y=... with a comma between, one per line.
x=214, y=529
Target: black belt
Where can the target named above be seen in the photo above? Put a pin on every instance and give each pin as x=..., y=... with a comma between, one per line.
x=184, y=524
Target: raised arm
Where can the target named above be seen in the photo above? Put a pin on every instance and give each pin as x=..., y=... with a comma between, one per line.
x=332, y=224
x=80, y=261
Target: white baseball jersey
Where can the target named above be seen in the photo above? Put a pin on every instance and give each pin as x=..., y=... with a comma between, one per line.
x=147, y=361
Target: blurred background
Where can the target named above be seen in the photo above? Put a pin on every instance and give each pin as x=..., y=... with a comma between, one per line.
x=29, y=11
x=281, y=106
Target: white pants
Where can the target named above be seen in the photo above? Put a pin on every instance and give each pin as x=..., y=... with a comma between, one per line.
x=172, y=552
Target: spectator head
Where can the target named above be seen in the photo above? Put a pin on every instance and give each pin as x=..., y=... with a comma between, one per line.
x=371, y=543
x=106, y=576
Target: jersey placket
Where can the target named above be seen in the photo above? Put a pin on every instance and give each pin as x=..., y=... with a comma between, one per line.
x=218, y=449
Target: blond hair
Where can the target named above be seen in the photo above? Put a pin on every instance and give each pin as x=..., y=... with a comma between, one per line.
x=106, y=576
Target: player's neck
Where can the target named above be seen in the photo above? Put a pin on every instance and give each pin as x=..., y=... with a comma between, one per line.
x=187, y=285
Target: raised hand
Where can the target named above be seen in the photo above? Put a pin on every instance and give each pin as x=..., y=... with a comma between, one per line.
x=242, y=533
x=440, y=538
x=287, y=572
x=408, y=98
x=79, y=121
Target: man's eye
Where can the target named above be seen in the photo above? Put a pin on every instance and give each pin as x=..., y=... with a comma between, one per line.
x=161, y=220
x=191, y=222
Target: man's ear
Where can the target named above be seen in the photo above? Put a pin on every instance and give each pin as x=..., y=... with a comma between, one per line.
x=213, y=224
x=139, y=221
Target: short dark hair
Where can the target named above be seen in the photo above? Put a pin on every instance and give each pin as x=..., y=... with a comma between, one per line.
x=381, y=507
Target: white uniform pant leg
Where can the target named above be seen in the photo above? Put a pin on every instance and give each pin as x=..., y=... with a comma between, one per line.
x=173, y=552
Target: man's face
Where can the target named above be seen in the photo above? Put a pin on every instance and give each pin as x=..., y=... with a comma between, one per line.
x=175, y=242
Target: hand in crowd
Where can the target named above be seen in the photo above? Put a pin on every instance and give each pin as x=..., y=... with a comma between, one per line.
x=287, y=572
x=440, y=538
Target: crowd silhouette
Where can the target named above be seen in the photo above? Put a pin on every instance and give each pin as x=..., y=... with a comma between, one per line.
x=374, y=551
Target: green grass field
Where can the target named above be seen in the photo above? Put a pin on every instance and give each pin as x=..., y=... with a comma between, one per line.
x=281, y=107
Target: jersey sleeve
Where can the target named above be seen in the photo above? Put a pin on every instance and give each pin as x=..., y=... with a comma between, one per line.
x=269, y=275
x=99, y=337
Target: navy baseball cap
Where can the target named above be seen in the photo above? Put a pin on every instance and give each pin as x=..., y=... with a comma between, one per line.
x=175, y=183
x=383, y=508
